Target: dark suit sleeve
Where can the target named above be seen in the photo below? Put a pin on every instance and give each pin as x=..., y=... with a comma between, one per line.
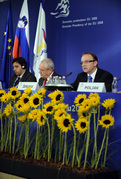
x=106, y=77
x=13, y=78
x=81, y=77
x=108, y=82
x=28, y=77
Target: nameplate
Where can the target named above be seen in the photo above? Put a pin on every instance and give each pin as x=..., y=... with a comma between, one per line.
x=24, y=85
x=91, y=87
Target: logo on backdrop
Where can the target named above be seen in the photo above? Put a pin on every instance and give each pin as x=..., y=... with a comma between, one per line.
x=62, y=9
x=22, y=22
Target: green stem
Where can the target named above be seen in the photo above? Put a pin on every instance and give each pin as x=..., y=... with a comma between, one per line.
x=14, y=138
x=7, y=137
x=87, y=144
x=106, y=147
x=100, y=150
x=18, y=145
x=52, y=134
x=60, y=143
x=10, y=134
x=65, y=147
x=81, y=152
x=26, y=144
x=48, y=140
x=94, y=154
x=74, y=146
x=1, y=128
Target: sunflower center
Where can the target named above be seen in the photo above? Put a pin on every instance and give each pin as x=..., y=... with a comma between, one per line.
x=58, y=97
x=81, y=100
x=61, y=114
x=106, y=122
x=19, y=106
x=66, y=122
x=36, y=101
x=83, y=125
x=26, y=100
x=1, y=94
x=42, y=118
x=84, y=114
x=49, y=108
x=14, y=93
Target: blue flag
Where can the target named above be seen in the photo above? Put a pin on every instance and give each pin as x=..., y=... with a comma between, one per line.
x=7, y=51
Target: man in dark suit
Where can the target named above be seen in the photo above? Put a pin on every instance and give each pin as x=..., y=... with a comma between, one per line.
x=21, y=74
x=89, y=62
x=46, y=70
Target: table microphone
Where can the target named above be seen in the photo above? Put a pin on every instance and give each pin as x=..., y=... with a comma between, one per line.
x=68, y=74
x=119, y=79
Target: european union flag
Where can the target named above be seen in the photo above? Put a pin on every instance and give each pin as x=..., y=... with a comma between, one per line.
x=7, y=48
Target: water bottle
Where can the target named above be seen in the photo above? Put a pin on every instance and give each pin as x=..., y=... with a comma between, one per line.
x=114, y=85
x=56, y=80
x=63, y=80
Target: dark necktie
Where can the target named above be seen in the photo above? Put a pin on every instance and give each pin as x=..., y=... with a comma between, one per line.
x=45, y=81
x=17, y=81
x=90, y=78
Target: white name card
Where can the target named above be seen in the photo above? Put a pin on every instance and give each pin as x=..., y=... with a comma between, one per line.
x=24, y=85
x=91, y=87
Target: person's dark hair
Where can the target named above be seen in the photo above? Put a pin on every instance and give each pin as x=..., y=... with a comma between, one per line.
x=92, y=54
x=21, y=61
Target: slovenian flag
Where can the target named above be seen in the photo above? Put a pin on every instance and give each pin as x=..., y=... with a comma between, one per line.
x=40, y=44
x=21, y=42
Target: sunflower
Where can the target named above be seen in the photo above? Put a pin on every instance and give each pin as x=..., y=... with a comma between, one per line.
x=25, y=108
x=82, y=113
x=61, y=106
x=2, y=92
x=81, y=125
x=48, y=108
x=19, y=105
x=5, y=98
x=33, y=114
x=24, y=99
x=56, y=96
x=109, y=103
x=28, y=91
x=79, y=99
x=41, y=118
x=106, y=121
x=14, y=93
x=41, y=92
x=22, y=118
x=8, y=110
x=59, y=113
x=86, y=105
x=65, y=122
x=95, y=95
x=35, y=100
x=95, y=101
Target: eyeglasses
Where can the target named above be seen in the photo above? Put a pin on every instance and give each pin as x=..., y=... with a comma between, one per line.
x=87, y=61
x=42, y=70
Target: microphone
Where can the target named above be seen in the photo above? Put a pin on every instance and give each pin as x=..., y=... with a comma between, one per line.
x=68, y=74
x=119, y=79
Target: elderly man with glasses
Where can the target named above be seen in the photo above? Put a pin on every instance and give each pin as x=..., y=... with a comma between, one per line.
x=91, y=72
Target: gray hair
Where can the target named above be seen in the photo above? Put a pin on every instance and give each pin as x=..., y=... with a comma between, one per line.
x=49, y=63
